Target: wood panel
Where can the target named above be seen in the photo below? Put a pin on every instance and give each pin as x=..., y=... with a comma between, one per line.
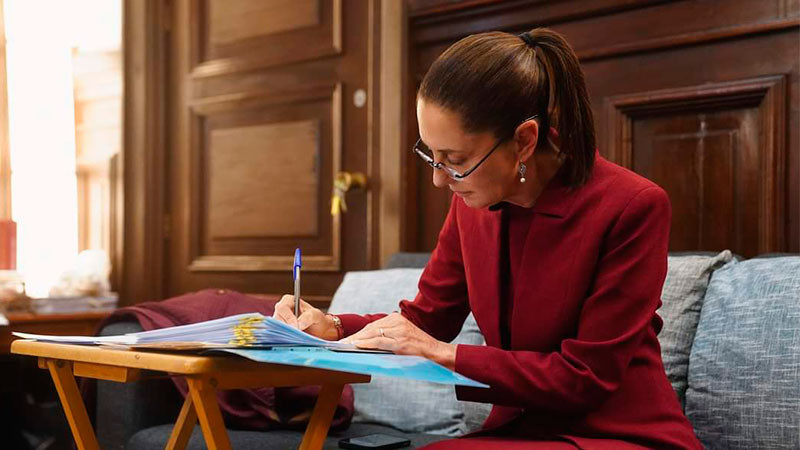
x=638, y=49
x=266, y=177
x=235, y=20
x=718, y=150
x=275, y=187
x=243, y=35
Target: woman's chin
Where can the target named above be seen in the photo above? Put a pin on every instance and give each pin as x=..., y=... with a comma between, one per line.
x=475, y=202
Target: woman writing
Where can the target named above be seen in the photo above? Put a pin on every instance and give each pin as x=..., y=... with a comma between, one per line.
x=558, y=253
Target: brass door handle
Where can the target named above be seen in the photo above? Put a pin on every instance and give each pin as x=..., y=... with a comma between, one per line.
x=343, y=183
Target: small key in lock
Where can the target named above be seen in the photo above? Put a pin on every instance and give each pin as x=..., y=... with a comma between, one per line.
x=340, y=186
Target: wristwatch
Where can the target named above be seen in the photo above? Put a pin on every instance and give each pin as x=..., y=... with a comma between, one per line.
x=337, y=322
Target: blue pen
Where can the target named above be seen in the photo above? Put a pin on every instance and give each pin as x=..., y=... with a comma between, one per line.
x=296, y=275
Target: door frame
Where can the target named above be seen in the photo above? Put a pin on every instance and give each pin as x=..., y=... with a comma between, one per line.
x=139, y=227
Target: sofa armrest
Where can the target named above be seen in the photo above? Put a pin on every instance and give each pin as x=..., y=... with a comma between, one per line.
x=125, y=408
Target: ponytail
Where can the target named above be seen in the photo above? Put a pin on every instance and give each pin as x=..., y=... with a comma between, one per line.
x=568, y=108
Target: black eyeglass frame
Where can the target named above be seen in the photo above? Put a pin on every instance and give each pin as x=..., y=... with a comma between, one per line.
x=454, y=174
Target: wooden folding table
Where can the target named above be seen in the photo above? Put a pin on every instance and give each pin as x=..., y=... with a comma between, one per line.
x=204, y=375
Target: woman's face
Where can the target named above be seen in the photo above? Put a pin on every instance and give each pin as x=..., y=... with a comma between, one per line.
x=493, y=181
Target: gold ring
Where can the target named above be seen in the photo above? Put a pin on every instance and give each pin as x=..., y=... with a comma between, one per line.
x=381, y=330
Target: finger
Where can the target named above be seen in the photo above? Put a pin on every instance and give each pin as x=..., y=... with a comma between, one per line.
x=305, y=320
x=285, y=314
x=287, y=301
x=385, y=332
x=367, y=332
x=378, y=343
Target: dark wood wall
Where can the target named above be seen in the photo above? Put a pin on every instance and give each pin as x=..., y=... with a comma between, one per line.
x=700, y=96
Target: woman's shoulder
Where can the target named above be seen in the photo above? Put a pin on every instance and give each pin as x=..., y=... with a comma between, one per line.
x=613, y=189
x=613, y=181
x=606, y=172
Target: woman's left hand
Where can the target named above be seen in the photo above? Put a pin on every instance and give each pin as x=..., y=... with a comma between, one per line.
x=397, y=334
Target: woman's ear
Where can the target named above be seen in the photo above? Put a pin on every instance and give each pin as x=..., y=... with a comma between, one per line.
x=526, y=136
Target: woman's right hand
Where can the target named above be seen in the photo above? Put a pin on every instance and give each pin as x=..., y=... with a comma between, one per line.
x=311, y=320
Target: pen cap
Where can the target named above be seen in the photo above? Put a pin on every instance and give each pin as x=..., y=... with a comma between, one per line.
x=298, y=263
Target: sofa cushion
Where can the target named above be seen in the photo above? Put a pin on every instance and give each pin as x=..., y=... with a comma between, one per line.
x=156, y=437
x=744, y=369
x=682, y=300
x=410, y=406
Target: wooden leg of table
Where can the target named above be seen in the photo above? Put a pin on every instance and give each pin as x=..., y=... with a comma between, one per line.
x=321, y=418
x=71, y=401
x=204, y=396
x=183, y=427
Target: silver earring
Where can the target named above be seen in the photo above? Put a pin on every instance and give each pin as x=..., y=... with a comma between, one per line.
x=522, y=170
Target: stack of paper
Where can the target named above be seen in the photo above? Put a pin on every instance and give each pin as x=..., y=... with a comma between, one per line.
x=243, y=330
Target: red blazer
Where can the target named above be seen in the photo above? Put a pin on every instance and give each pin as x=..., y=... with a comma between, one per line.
x=584, y=363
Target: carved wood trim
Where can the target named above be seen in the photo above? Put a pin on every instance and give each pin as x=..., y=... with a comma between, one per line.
x=252, y=100
x=326, y=46
x=429, y=25
x=249, y=263
x=767, y=93
x=682, y=40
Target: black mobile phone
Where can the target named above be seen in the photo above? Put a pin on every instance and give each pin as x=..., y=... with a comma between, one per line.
x=374, y=442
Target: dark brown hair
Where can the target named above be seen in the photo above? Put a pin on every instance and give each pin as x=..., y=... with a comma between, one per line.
x=494, y=81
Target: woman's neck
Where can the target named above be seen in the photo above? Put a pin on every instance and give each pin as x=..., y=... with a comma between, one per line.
x=544, y=167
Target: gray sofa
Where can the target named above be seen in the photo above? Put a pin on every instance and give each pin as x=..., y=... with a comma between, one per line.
x=730, y=345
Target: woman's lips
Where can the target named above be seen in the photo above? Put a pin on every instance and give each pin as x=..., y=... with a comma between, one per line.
x=461, y=194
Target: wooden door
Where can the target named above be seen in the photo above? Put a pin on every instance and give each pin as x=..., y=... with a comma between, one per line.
x=268, y=100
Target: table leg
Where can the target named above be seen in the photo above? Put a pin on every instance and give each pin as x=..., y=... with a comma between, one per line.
x=321, y=418
x=204, y=397
x=71, y=401
x=183, y=427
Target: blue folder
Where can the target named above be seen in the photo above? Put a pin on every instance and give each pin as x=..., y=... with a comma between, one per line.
x=374, y=364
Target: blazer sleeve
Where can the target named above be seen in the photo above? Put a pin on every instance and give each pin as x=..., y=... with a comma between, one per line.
x=441, y=305
x=616, y=316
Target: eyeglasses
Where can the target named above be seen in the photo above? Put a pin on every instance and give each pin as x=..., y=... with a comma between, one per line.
x=426, y=154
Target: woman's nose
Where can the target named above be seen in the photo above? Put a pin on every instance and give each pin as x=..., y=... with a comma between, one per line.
x=440, y=178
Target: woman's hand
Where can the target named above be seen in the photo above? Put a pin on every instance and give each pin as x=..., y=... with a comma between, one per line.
x=397, y=334
x=311, y=320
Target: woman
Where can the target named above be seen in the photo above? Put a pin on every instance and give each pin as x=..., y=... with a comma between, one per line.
x=559, y=254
